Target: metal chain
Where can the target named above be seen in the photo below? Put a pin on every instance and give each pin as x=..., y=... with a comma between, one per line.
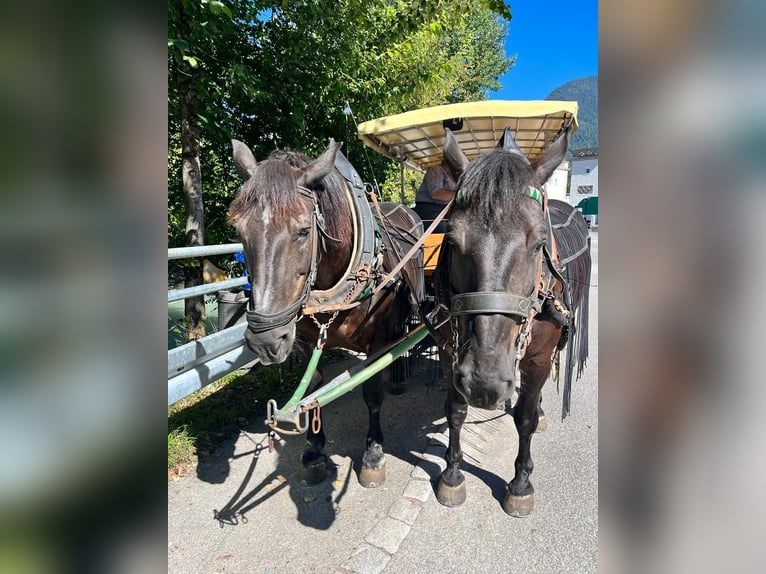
x=316, y=421
x=323, y=328
x=455, y=345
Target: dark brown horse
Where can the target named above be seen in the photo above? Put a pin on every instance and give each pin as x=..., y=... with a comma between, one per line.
x=512, y=305
x=301, y=235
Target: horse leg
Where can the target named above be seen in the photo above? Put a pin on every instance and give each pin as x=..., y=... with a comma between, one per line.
x=519, y=499
x=451, y=488
x=394, y=379
x=542, y=422
x=314, y=459
x=373, y=471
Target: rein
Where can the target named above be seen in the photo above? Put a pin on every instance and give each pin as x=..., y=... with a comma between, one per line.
x=414, y=249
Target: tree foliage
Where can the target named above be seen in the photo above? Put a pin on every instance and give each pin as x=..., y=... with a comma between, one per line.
x=277, y=75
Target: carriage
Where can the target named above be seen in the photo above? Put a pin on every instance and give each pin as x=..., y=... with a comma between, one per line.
x=354, y=270
x=415, y=139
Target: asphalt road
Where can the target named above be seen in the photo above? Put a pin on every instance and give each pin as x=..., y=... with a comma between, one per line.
x=245, y=510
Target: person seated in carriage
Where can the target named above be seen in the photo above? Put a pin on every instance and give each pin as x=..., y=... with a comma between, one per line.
x=436, y=191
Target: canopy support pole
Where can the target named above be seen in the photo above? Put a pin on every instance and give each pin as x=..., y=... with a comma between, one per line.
x=401, y=181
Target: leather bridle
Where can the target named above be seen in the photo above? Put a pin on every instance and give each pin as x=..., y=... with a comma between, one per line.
x=499, y=302
x=366, y=256
x=521, y=308
x=264, y=322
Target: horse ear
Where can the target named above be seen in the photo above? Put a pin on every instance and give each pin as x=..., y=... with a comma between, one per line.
x=453, y=155
x=507, y=143
x=244, y=160
x=320, y=167
x=552, y=157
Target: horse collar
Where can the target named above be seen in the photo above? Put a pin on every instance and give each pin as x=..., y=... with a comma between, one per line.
x=364, y=257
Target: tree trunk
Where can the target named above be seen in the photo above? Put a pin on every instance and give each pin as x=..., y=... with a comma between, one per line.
x=194, y=307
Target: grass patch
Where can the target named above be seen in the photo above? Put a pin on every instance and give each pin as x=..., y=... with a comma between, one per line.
x=198, y=423
x=180, y=447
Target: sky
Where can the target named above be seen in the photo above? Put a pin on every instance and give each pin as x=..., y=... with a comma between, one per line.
x=555, y=41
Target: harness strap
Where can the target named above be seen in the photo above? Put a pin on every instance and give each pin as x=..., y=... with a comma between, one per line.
x=497, y=302
x=575, y=255
x=433, y=324
x=414, y=249
x=395, y=249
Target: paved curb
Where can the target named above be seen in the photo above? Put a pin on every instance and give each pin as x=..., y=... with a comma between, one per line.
x=385, y=538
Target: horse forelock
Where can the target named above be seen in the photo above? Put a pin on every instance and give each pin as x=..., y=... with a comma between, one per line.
x=274, y=187
x=492, y=181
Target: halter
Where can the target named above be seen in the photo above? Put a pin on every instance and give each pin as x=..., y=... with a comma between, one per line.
x=499, y=302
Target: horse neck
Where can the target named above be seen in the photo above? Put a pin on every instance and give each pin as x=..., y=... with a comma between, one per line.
x=334, y=256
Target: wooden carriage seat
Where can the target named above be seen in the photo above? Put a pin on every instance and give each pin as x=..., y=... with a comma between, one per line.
x=431, y=248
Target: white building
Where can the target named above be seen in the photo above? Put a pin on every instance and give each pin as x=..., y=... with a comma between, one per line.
x=584, y=180
x=556, y=186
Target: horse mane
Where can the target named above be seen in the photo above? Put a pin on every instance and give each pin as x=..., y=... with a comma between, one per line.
x=492, y=180
x=274, y=186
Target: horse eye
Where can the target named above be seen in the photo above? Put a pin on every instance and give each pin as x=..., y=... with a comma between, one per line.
x=303, y=232
x=540, y=245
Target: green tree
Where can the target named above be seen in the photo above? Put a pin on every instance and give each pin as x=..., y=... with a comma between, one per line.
x=203, y=40
x=277, y=75
x=478, y=54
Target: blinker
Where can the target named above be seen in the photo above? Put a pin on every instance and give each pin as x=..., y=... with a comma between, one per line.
x=535, y=194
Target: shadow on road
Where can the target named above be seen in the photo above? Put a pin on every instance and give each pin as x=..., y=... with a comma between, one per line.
x=406, y=420
x=315, y=504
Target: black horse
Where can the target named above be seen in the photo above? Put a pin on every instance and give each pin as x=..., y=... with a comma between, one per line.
x=303, y=234
x=514, y=300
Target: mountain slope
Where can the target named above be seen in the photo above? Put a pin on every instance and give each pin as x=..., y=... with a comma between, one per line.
x=585, y=91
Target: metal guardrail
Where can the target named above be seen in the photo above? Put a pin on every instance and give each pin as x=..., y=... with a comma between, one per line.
x=208, y=372
x=178, y=294
x=191, y=354
x=196, y=364
x=202, y=250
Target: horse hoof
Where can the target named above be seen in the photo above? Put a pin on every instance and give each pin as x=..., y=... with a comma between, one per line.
x=542, y=424
x=519, y=506
x=314, y=473
x=450, y=496
x=372, y=477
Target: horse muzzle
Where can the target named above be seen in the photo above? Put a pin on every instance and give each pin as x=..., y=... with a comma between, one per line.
x=271, y=335
x=272, y=346
x=485, y=384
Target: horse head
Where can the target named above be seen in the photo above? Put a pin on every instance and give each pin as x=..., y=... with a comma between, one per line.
x=275, y=213
x=494, y=249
